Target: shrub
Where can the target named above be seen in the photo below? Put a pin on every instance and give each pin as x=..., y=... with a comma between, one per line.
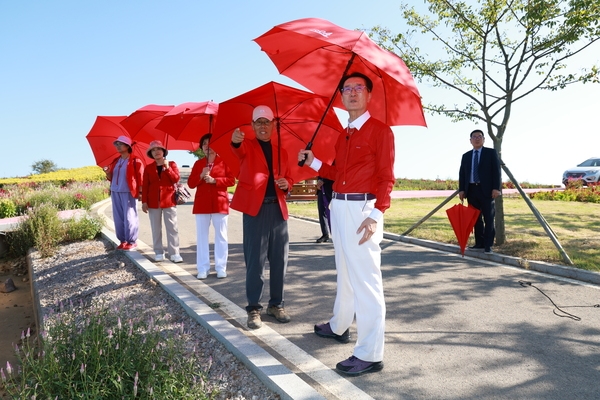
x=7, y=208
x=87, y=352
x=85, y=228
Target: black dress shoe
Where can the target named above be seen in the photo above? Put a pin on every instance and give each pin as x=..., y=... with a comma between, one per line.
x=476, y=248
x=323, y=239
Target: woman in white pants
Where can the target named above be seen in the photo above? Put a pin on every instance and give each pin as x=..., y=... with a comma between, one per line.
x=211, y=177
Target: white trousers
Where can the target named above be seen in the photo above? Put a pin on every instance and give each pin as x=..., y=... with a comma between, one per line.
x=359, y=284
x=169, y=215
x=219, y=222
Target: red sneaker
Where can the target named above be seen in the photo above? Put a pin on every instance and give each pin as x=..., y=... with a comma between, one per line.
x=129, y=246
x=120, y=247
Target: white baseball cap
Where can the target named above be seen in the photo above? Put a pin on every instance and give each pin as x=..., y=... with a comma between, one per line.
x=262, y=112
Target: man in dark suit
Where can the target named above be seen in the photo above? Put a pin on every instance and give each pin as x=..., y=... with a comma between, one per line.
x=480, y=182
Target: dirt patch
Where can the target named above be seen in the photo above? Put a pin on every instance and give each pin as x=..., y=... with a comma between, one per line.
x=16, y=310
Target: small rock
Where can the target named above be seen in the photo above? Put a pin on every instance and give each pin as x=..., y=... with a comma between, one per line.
x=8, y=286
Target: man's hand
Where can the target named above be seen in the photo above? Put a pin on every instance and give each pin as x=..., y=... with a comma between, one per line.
x=145, y=208
x=369, y=225
x=282, y=183
x=238, y=136
x=461, y=195
x=496, y=193
x=308, y=154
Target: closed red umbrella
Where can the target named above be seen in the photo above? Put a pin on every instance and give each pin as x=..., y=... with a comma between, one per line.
x=297, y=114
x=317, y=54
x=104, y=132
x=142, y=127
x=463, y=219
x=189, y=121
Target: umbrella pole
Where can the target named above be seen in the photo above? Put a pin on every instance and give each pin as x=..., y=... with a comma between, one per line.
x=425, y=218
x=310, y=143
x=278, y=147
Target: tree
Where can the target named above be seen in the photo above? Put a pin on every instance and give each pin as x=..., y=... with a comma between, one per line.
x=43, y=167
x=494, y=53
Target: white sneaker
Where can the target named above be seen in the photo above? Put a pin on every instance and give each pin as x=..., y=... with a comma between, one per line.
x=159, y=257
x=202, y=275
x=176, y=258
x=221, y=274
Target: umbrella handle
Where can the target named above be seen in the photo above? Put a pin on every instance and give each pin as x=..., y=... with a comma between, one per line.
x=308, y=147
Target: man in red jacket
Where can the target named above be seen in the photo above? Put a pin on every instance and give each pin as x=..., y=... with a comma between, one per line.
x=363, y=177
x=260, y=195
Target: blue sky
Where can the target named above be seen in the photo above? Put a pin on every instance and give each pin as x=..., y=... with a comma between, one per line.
x=65, y=62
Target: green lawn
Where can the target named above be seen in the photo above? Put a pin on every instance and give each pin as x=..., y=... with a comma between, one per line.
x=576, y=224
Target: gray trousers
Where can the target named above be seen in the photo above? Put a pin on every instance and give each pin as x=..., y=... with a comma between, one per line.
x=170, y=216
x=266, y=238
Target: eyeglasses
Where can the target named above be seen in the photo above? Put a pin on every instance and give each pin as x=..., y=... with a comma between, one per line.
x=262, y=122
x=477, y=137
x=117, y=144
x=358, y=89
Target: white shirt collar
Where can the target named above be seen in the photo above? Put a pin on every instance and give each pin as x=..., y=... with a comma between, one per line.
x=360, y=121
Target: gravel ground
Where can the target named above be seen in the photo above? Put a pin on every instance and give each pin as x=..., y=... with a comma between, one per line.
x=89, y=270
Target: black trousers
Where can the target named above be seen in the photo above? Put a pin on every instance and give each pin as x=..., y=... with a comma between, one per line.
x=266, y=238
x=485, y=230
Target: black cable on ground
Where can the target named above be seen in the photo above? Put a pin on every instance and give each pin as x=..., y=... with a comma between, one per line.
x=564, y=313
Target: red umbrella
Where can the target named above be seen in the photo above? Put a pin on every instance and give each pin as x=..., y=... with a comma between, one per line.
x=463, y=219
x=142, y=126
x=317, y=54
x=102, y=135
x=189, y=121
x=297, y=114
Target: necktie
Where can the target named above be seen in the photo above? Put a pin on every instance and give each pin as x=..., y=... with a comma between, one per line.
x=476, y=167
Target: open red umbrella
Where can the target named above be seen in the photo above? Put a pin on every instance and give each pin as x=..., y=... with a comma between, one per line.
x=142, y=127
x=297, y=114
x=189, y=121
x=463, y=219
x=102, y=135
x=317, y=54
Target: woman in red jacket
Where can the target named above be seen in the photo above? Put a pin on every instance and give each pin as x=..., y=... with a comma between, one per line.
x=211, y=177
x=158, y=201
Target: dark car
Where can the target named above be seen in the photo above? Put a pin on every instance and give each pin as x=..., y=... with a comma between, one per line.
x=588, y=172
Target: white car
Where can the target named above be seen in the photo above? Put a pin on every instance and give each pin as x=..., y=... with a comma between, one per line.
x=588, y=172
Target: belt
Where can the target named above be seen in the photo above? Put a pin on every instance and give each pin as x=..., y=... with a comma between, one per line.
x=270, y=200
x=354, y=196
x=475, y=184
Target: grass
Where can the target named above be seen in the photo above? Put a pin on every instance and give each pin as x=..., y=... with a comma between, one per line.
x=575, y=224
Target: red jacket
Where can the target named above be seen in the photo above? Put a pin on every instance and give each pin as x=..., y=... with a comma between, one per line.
x=211, y=198
x=135, y=172
x=364, y=163
x=160, y=192
x=252, y=180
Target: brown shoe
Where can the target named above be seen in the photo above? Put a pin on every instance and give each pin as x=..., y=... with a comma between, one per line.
x=254, y=321
x=278, y=313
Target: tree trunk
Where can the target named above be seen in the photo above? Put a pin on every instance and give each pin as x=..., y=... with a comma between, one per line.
x=499, y=220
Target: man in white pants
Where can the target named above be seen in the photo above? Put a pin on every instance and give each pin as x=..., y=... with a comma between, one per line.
x=363, y=175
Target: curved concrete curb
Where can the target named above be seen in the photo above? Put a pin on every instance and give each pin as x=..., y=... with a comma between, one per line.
x=267, y=368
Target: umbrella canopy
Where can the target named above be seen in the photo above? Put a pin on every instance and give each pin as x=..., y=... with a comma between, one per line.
x=142, y=127
x=463, y=219
x=189, y=121
x=102, y=135
x=317, y=54
x=297, y=114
